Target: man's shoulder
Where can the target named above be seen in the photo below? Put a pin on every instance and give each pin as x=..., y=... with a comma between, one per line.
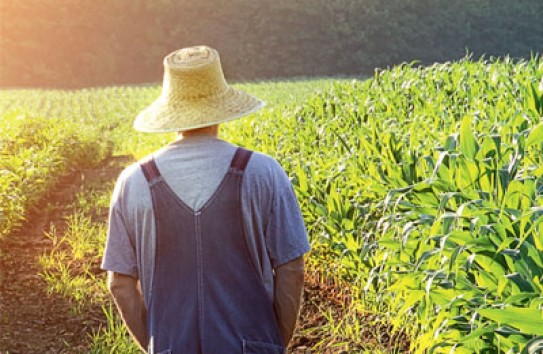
x=132, y=174
x=263, y=164
x=264, y=171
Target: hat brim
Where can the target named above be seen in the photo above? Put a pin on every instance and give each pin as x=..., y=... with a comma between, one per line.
x=168, y=115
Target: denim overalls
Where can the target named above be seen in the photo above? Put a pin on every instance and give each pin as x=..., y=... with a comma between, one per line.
x=207, y=296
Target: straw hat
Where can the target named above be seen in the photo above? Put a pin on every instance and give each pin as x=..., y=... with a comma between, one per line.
x=194, y=94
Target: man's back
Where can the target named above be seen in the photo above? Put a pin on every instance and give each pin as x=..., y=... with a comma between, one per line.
x=194, y=168
x=207, y=295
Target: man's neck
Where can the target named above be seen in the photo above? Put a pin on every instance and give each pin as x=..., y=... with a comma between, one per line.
x=211, y=132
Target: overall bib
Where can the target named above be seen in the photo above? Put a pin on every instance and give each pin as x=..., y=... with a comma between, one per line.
x=207, y=296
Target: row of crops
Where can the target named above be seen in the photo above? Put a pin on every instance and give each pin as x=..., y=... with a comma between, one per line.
x=421, y=187
x=45, y=135
x=425, y=184
x=34, y=152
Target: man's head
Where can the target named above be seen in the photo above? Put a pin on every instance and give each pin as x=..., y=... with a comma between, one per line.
x=194, y=95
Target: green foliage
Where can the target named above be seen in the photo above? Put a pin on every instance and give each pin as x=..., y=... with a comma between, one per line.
x=34, y=152
x=472, y=245
x=425, y=183
x=114, y=338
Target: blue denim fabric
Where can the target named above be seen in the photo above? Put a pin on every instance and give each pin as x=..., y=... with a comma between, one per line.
x=207, y=296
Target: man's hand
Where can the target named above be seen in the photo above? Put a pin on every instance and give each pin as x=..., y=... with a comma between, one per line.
x=129, y=301
x=289, y=283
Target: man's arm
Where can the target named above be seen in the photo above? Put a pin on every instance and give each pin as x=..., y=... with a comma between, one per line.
x=289, y=283
x=129, y=301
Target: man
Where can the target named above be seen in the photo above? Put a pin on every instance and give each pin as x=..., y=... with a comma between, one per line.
x=206, y=241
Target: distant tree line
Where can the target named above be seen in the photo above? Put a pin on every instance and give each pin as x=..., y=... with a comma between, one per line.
x=78, y=43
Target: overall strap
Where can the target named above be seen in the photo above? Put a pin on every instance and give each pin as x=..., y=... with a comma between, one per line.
x=240, y=159
x=150, y=169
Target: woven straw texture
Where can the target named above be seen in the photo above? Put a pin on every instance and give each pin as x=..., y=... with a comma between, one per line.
x=194, y=94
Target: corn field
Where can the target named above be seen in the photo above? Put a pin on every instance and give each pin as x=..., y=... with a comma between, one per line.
x=421, y=187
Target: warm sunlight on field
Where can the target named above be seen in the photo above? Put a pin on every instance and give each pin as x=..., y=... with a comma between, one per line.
x=420, y=188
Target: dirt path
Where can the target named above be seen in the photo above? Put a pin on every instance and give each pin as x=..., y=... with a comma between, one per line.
x=35, y=321
x=31, y=319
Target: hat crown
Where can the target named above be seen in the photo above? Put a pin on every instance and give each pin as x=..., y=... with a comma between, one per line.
x=193, y=73
x=191, y=57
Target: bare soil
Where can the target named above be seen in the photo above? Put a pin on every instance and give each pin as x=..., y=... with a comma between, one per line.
x=33, y=320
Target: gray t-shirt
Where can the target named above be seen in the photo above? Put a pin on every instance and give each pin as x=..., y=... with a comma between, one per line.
x=193, y=168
